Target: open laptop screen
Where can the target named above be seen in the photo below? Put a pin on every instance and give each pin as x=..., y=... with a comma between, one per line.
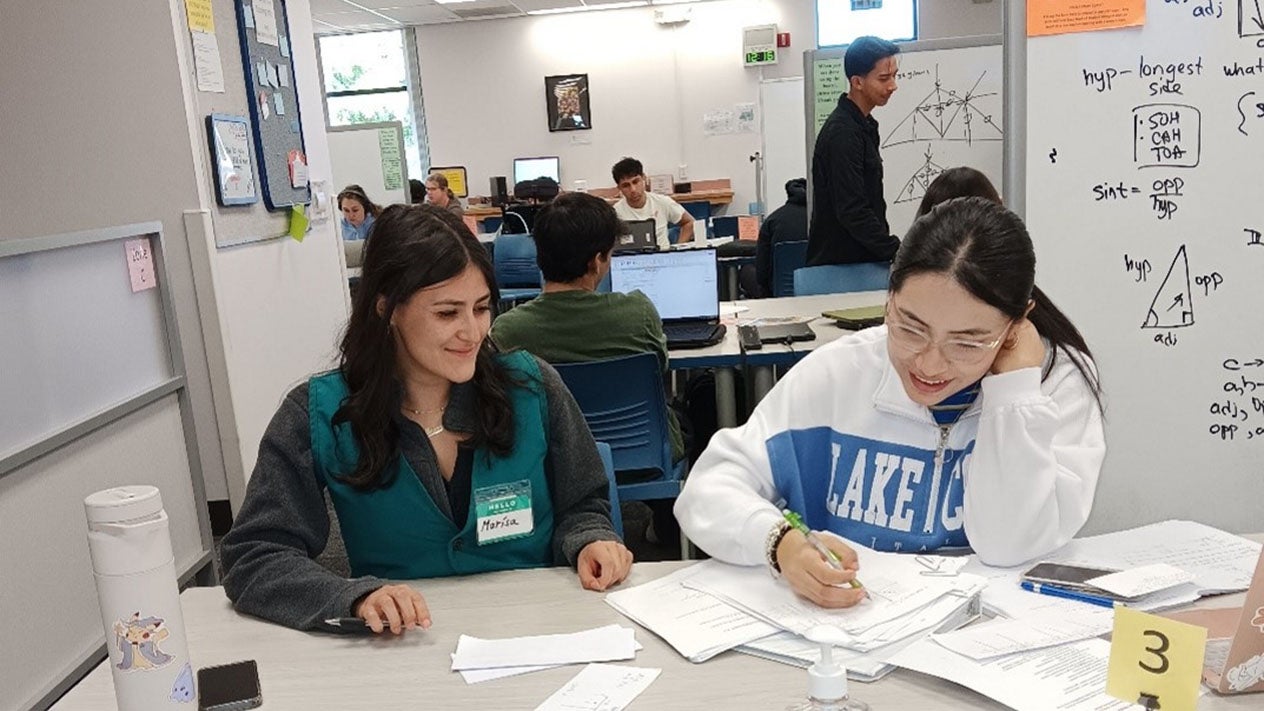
x=682, y=285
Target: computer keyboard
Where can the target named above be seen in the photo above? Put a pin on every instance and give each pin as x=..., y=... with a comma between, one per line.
x=690, y=332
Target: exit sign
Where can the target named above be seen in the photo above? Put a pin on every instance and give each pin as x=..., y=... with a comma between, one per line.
x=759, y=45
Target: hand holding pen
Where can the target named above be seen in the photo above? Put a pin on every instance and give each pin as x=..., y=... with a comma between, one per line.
x=821, y=570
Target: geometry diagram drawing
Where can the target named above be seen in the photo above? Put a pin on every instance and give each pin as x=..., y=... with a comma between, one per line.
x=1173, y=305
x=946, y=115
x=915, y=188
x=1250, y=18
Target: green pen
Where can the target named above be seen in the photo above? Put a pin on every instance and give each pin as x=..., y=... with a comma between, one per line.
x=796, y=522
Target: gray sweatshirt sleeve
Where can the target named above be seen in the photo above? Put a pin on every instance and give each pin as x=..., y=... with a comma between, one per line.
x=577, y=480
x=268, y=556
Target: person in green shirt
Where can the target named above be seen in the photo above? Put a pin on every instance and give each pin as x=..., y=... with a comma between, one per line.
x=569, y=322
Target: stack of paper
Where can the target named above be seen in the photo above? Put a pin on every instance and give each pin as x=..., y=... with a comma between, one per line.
x=900, y=603
x=696, y=624
x=483, y=659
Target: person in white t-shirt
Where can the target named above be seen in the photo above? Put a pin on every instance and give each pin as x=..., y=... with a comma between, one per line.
x=638, y=203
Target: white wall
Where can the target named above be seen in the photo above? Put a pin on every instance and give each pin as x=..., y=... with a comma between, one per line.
x=273, y=310
x=650, y=85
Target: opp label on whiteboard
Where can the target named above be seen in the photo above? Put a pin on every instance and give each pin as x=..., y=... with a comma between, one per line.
x=1155, y=656
x=140, y=264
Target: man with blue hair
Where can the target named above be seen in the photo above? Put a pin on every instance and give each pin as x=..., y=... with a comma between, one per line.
x=849, y=212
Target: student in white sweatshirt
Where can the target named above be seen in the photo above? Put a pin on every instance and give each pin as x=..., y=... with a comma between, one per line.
x=972, y=418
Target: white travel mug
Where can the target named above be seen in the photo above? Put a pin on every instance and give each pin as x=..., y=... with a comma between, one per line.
x=135, y=573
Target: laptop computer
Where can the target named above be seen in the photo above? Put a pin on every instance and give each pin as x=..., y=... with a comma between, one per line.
x=684, y=287
x=1234, y=659
x=641, y=237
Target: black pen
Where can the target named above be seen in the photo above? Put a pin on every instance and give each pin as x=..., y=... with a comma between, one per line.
x=354, y=624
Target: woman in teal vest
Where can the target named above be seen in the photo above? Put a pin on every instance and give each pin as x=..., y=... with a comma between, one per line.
x=440, y=455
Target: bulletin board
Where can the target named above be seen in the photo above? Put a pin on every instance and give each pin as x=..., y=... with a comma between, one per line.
x=268, y=69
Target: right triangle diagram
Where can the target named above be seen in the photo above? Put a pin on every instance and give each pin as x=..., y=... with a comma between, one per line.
x=1173, y=305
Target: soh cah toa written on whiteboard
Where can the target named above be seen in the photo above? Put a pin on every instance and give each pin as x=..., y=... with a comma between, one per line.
x=1145, y=197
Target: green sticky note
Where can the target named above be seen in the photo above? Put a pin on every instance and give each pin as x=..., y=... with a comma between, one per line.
x=298, y=223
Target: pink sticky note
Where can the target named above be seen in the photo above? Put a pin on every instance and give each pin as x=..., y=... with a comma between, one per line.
x=140, y=264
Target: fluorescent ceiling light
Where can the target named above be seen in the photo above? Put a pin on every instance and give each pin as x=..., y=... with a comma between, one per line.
x=583, y=8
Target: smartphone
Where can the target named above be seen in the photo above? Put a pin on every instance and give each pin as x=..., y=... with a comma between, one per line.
x=1073, y=577
x=229, y=687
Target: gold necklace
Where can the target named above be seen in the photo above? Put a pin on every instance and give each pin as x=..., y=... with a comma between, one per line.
x=430, y=431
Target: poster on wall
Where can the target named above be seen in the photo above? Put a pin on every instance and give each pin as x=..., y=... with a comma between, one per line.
x=230, y=159
x=566, y=97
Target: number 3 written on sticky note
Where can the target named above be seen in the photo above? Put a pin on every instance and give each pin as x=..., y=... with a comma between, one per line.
x=1155, y=656
x=140, y=264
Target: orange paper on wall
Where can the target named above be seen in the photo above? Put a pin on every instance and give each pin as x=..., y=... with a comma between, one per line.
x=748, y=227
x=1055, y=17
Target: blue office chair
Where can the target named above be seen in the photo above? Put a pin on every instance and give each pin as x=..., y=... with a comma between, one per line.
x=841, y=278
x=623, y=402
x=786, y=258
x=723, y=226
x=517, y=274
x=699, y=210
x=607, y=462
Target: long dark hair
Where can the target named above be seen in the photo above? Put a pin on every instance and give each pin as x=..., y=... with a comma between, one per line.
x=413, y=247
x=962, y=181
x=986, y=249
x=356, y=193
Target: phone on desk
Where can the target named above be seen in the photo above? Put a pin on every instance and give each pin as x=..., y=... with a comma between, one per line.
x=229, y=687
x=1064, y=575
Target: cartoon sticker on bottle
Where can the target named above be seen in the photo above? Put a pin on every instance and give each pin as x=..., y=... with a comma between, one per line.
x=1258, y=620
x=137, y=639
x=184, y=690
x=1246, y=674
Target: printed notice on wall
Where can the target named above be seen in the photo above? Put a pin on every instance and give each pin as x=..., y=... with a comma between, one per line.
x=140, y=264
x=828, y=83
x=1055, y=17
x=265, y=23
x=392, y=159
x=207, y=62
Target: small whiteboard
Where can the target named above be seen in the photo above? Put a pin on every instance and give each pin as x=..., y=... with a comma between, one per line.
x=360, y=156
x=230, y=158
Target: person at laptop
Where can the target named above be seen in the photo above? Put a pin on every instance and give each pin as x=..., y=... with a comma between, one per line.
x=358, y=212
x=849, y=212
x=788, y=223
x=440, y=455
x=569, y=322
x=638, y=203
x=972, y=418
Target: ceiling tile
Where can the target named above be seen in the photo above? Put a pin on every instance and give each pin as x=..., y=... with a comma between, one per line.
x=532, y=5
x=383, y=4
x=420, y=15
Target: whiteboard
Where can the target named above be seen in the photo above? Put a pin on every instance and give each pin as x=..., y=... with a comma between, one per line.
x=1143, y=196
x=78, y=339
x=356, y=157
x=781, y=105
x=946, y=112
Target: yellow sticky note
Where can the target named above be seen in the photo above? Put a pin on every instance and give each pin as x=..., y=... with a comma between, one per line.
x=298, y=223
x=1156, y=656
x=201, y=18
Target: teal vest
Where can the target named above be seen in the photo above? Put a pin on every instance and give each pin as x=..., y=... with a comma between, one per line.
x=399, y=532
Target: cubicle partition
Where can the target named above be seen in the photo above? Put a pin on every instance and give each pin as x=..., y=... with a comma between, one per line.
x=93, y=392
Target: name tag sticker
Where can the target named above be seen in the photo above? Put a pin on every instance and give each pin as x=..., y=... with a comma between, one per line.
x=503, y=512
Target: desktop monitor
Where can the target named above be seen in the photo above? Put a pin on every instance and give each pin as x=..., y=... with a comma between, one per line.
x=532, y=168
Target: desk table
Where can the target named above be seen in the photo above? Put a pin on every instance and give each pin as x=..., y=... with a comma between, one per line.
x=303, y=671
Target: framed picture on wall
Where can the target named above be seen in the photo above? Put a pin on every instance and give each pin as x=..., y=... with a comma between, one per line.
x=566, y=97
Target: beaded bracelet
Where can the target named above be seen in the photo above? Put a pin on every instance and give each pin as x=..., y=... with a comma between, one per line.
x=775, y=534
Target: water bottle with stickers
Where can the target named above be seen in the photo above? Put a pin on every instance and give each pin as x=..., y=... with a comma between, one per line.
x=134, y=567
x=827, y=679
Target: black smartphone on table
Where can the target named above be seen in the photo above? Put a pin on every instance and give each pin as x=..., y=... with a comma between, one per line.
x=229, y=687
x=1064, y=575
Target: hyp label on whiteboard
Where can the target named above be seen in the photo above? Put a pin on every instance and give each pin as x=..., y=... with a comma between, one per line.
x=140, y=264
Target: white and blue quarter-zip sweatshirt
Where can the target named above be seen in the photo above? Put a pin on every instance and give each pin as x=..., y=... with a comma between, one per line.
x=839, y=440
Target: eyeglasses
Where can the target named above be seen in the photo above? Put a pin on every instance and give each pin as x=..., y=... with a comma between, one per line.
x=916, y=341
